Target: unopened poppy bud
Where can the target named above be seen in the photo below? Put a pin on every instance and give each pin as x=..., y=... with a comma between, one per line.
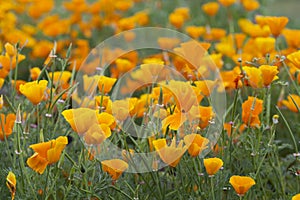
x=18, y=116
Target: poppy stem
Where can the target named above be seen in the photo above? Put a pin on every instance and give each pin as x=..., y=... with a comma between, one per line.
x=38, y=123
x=212, y=187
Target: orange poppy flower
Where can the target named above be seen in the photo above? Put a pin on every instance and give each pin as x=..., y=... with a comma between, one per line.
x=196, y=144
x=227, y=3
x=7, y=124
x=176, y=20
x=34, y=73
x=121, y=109
x=34, y=91
x=174, y=121
x=241, y=184
x=114, y=167
x=212, y=165
x=80, y=119
x=17, y=84
x=210, y=8
x=195, y=31
x=292, y=103
x=10, y=49
x=46, y=153
x=11, y=183
x=268, y=74
x=294, y=58
x=253, y=77
x=251, y=110
x=296, y=197
x=250, y=5
x=276, y=24
x=171, y=155
x=96, y=134
x=106, y=83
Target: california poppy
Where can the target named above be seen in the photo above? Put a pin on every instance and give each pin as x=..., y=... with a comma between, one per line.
x=292, y=103
x=105, y=84
x=295, y=58
x=34, y=91
x=7, y=124
x=212, y=165
x=296, y=197
x=268, y=74
x=11, y=183
x=46, y=153
x=241, y=184
x=114, y=167
x=276, y=24
x=196, y=144
x=34, y=73
x=227, y=3
x=172, y=154
x=210, y=8
x=251, y=110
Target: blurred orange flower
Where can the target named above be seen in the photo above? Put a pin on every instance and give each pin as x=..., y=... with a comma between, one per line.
x=210, y=8
x=241, y=184
x=34, y=73
x=7, y=124
x=276, y=24
x=114, y=167
x=46, y=153
x=293, y=103
x=294, y=58
x=34, y=91
x=227, y=3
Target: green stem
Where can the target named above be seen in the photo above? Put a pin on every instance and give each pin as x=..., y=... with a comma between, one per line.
x=212, y=188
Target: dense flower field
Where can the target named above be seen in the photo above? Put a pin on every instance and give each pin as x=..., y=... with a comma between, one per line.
x=148, y=99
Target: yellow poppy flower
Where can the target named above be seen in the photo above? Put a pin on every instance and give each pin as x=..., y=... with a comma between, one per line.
x=212, y=165
x=268, y=73
x=292, y=103
x=296, y=197
x=114, y=167
x=106, y=83
x=34, y=91
x=171, y=155
x=210, y=8
x=34, y=73
x=46, y=153
x=11, y=183
x=241, y=184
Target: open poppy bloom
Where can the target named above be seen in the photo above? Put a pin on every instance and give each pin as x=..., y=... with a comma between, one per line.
x=171, y=155
x=251, y=110
x=7, y=124
x=241, y=184
x=46, y=153
x=276, y=24
x=114, y=167
x=294, y=58
x=269, y=74
x=196, y=144
x=34, y=91
x=210, y=8
x=11, y=183
x=293, y=103
x=105, y=84
x=80, y=119
x=212, y=165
